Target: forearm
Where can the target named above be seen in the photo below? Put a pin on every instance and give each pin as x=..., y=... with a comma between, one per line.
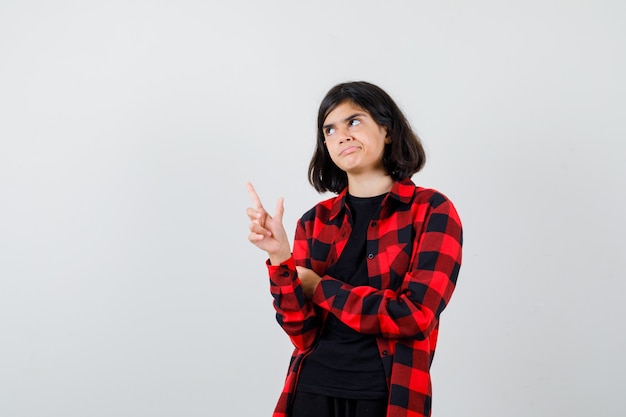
x=295, y=314
x=383, y=313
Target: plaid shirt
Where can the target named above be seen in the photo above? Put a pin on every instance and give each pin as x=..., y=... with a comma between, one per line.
x=413, y=260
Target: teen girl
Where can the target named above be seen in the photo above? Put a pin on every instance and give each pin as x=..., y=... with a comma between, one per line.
x=371, y=269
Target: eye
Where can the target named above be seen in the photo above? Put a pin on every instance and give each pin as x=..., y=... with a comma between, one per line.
x=355, y=122
x=329, y=131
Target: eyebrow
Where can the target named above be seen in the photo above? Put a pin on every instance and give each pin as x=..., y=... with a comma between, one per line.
x=344, y=120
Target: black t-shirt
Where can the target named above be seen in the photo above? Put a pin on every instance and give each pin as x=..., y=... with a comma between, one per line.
x=346, y=363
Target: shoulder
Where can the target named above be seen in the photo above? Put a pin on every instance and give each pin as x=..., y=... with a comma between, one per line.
x=430, y=196
x=326, y=209
x=407, y=191
x=429, y=204
x=322, y=210
x=438, y=211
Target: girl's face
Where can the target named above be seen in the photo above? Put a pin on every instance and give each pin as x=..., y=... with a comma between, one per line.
x=354, y=140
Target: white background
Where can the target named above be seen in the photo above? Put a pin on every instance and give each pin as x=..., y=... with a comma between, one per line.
x=128, y=130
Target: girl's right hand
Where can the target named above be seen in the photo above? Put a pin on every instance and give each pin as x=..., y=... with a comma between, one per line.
x=267, y=232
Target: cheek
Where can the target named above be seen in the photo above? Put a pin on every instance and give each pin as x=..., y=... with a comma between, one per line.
x=332, y=155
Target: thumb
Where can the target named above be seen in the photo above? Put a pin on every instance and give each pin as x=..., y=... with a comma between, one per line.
x=280, y=209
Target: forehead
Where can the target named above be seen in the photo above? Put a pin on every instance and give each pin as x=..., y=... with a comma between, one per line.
x=344, y=109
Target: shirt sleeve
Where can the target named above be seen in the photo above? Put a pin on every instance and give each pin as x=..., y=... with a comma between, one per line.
x=413, y=310
x=295, y=314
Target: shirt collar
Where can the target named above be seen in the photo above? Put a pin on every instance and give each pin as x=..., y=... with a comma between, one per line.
x=401, y=190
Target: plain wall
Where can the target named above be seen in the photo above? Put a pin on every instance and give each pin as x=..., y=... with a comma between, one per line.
x=128, y=130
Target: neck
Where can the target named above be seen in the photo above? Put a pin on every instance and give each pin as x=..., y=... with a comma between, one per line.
x=369, y=185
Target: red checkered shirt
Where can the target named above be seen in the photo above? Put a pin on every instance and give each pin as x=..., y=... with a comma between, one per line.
x=413, y=259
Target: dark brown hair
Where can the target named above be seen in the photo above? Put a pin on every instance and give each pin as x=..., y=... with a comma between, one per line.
x=402, y=158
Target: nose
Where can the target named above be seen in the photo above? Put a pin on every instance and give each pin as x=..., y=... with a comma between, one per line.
x=344, y=136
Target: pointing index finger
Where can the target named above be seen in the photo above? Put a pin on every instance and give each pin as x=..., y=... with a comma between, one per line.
x=255, y=197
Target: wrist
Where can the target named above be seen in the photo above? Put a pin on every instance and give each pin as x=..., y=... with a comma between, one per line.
x=279, y=258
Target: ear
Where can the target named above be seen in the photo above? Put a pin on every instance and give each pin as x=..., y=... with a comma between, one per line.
x=387, y=137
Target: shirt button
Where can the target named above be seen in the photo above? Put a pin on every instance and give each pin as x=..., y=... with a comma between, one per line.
x=385, y=353
x=373, y=224
x=370, y=255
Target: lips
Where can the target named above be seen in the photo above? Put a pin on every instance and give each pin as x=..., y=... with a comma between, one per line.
x=349, y=150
